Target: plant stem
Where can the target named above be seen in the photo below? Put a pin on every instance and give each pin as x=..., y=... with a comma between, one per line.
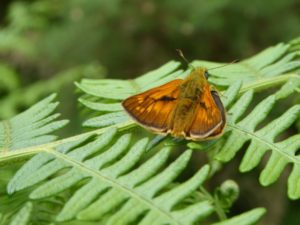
x=22, y=154
x=220, y=212
x=265, y=83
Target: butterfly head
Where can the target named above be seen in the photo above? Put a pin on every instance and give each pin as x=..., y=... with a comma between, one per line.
x=200, y=72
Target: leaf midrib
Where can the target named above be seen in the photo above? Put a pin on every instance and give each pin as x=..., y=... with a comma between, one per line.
x=272, y=146
x=113, y=183
x=21, y=154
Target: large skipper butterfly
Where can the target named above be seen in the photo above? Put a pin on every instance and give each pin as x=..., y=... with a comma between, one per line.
x=186, y=108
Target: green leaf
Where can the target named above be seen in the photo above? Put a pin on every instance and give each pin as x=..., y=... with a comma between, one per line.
x=247, y=218
x=107, y=120
x=31, y=127
x=22, y=217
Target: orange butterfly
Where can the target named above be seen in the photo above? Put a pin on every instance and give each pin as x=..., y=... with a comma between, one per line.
x=184, y=108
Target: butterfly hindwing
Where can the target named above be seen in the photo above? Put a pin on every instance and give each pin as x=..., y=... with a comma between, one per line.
x=153, y=108
x=209, y=117
x=219, y=103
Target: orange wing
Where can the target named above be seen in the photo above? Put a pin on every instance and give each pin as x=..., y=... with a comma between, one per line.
x=209, y=119
x=152, y=108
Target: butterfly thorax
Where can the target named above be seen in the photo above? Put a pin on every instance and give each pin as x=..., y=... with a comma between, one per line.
x=191, y=91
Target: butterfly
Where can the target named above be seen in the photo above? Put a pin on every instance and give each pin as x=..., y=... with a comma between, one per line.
x=186, y=108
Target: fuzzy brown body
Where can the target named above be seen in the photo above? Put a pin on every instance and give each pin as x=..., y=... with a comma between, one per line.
x=190, y=91
x=184, y=108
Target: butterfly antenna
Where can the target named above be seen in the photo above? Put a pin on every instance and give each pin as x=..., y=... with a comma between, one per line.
x=180, y=53
x=227, y=64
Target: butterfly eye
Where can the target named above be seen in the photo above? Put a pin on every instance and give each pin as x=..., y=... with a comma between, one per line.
x=206, y=74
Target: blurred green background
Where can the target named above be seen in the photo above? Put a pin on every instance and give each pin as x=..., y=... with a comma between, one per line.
x=47, y=45
x=65, y=40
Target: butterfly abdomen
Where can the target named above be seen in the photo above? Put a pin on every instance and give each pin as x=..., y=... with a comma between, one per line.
x=183, y=116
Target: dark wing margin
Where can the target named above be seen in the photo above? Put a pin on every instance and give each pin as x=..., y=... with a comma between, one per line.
x=219, y=103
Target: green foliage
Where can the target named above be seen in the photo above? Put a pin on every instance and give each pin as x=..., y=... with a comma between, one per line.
x=30, y=127
x=124, y=35
x=245, y=218
x=271, y=62
x=46, y=45
x=259, y=72
x=242, y=130
x=23, y=216
x=26, y=74
x=116, y=186
x=263, y=139
x=107, y=177
x=227, y=194
x=10, y=80
x=18, y=96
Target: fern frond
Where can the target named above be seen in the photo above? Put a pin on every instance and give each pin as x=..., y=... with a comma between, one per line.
x=244, y=130
x=271, y=62
x=258, y=72
x=108, y=179
x=32, y=127
x=112, y=184
x=263, y=70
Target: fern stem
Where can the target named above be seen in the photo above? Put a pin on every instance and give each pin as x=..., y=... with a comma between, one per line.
x=271, y=145
x=23, y=154
x=114, y=184
x=219, y=210
x=264, y=83
x=19, y=155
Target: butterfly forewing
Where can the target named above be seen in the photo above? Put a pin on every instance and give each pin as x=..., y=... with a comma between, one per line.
x=153, y=108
